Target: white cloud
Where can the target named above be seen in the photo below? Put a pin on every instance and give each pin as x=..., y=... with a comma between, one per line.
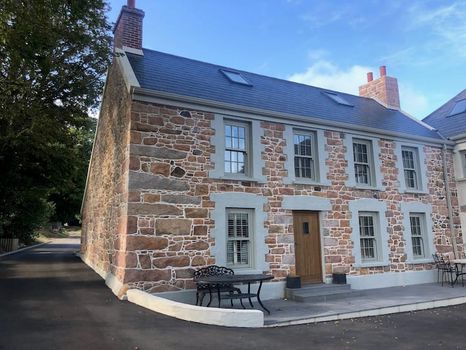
x=326, y=74
x=447, y=22
x=413, y=101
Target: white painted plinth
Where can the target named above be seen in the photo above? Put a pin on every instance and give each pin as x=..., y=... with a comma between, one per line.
x=199, y=314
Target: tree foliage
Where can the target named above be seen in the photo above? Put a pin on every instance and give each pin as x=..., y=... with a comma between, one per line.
x=53, y=55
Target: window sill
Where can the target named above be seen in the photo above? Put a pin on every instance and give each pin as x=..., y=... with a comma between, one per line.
x=245, y=271
x=238, y=178
x=415, y=191
x=420, y=261
x=310, y=183
x=372, y=264
x=370, y=188
x=461, y=179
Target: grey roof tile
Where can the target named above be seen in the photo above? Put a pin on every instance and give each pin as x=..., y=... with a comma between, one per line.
x=448, y=125
x=173, y=74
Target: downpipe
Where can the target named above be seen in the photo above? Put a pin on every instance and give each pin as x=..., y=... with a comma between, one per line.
x=448, y=199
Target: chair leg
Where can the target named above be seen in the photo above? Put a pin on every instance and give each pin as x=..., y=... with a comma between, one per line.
x=197, y=299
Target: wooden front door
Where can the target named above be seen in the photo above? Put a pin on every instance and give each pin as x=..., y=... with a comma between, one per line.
x=307, y=246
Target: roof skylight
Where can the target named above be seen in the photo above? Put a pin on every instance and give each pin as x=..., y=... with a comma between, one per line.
x=460, y=107
x=337, y=98
x=235, y=77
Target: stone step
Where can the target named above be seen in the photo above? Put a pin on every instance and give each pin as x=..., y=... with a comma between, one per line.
x=319, y=292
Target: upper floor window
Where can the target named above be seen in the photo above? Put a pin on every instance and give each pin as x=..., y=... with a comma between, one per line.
x=236, y=158
x=463, y=162
x=305, y=155
x=363, y=162
x=239, y=238
x=411, y=167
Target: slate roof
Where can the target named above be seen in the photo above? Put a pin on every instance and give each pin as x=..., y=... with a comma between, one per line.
x=448, y=125
x=173, y=74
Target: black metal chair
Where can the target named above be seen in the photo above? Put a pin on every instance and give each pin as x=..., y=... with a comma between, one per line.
x=447, y=269
x=203, y=289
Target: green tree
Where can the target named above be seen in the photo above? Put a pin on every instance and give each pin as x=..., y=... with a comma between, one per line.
x=53, y=55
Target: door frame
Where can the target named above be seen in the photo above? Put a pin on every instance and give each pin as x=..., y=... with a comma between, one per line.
x=321, y=240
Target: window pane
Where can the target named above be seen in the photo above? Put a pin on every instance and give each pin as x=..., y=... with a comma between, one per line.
x=417, y=236
x=360, y=152
x=361, y=173
x=238, y=238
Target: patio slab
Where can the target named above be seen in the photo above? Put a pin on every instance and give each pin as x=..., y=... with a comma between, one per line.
x=364, y=303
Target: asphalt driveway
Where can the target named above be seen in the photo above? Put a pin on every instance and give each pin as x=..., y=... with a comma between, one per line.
x=49, y=299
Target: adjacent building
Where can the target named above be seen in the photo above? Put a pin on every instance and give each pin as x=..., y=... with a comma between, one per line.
x=197, y=164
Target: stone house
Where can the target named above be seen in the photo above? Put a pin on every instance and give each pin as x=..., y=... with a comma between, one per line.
x=195, y=164
x=450, y=121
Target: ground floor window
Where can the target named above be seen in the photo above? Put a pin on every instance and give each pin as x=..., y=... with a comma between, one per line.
x=418, y=233
x=239, y=237
x=369, y=237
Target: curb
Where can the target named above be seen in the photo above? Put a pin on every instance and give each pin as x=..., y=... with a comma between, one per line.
x=23, y=249
x=396, y=309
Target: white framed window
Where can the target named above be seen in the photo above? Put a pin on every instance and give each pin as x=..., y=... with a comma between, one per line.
x=369, y=236
x=411, y=171
x=237, y=150
x=418, y=234
x=369, y=227
x=239, y=238
x=305, y=155
x=418, y=231
x=463, y=162
x=363, y=162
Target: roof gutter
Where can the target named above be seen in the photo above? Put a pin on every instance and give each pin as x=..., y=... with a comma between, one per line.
x=148, y=95
x=448, y=199
x=458, y=137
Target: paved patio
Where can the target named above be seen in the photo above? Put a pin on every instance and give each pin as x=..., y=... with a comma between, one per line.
x=364, y=303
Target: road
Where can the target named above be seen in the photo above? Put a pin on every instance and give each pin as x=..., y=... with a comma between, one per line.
x=49, y=299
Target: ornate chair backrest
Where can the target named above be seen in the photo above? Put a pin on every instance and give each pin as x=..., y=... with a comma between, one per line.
x=212, y=270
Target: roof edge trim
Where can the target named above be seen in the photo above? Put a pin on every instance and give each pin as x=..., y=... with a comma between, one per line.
x=127, y=71
x=210, y=103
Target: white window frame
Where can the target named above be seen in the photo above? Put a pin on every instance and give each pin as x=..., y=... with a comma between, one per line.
x=247, y=147
x=369, y=164
x=416, y=169
x=421, y=235
x=425, y=212
x=378, y=209
x=463, y=162
x=240, y=201
x=374, y=162
x=250, y=238
x=313, y=157
x=255, y=150
x=376, y=237
x=321, y=155
x=421, y=165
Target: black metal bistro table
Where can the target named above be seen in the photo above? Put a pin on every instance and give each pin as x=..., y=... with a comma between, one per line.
x=217, y=281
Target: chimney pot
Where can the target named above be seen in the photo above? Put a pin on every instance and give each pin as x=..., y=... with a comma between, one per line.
x=370, y=77
x=383, y=71
x=131, y=4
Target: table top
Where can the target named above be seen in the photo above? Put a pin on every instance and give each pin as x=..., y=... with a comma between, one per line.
x=458, y=261
x=233, y=279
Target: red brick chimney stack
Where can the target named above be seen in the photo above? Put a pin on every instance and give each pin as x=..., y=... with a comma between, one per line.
x=128, y=28
x=384, y=89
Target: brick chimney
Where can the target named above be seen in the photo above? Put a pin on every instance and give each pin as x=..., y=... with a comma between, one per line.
x=128, y=28
x=383, y=89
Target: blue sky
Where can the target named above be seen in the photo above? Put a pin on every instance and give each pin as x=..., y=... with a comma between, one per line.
x=331, y=44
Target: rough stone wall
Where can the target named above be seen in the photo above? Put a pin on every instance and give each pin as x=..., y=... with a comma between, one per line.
x=105, y=203
x=169, y=200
